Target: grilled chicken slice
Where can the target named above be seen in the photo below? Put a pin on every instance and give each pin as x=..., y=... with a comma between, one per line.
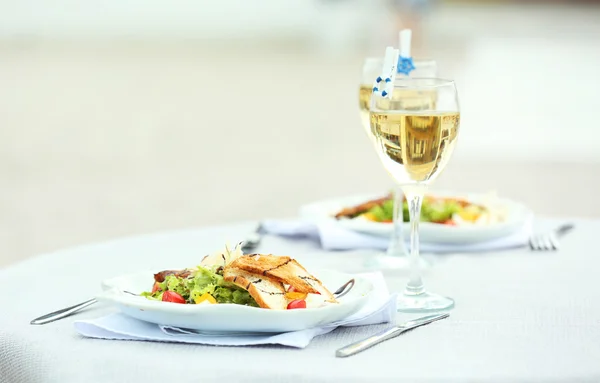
x=285, y=270
x=268, y=293
x=353, y=211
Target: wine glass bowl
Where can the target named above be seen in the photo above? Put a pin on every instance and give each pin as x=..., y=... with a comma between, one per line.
x=414, y=132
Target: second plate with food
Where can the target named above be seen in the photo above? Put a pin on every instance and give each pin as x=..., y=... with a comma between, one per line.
x=507, y=217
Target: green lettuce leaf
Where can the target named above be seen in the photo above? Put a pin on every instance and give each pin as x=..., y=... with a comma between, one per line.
x=204, y=281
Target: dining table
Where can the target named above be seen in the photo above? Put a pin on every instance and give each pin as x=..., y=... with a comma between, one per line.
x=520, y=316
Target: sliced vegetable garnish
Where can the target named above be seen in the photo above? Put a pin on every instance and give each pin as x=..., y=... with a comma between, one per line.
x=206, y=297
x=172, y=296
x=295, y=295
x=297, y=304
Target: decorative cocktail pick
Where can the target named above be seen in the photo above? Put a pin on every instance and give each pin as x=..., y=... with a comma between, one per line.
x=405, y=61
x=384, y=83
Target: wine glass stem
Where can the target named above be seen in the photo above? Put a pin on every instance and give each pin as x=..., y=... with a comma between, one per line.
x=396, y=247
x=414, y=196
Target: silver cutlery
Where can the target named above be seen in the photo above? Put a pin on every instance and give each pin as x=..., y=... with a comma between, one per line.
x=252, y=240
x=393, y=332
x=549, y=241
x=177, y=331
x=344, y=289
x=56, y=315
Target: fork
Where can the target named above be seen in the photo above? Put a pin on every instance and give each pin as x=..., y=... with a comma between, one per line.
x=253, y=239
x=549, y=241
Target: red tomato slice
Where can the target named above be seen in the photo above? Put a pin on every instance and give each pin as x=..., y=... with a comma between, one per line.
x=172, y=296
x=449, y=223
x=155, y=287
x=297, y=304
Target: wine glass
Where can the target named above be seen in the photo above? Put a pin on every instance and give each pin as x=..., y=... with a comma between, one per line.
x=395, y=256
x=415, y=130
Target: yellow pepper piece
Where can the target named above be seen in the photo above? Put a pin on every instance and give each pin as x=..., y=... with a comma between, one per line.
x=370, y=216
x=470, y=214
x=205, y=297
x=295, y=295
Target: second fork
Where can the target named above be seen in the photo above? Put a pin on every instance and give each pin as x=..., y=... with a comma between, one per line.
x=549, y=241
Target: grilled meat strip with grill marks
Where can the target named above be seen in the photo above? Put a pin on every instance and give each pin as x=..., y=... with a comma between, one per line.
x=282, y=269
x=268, y=293
x=353, y=211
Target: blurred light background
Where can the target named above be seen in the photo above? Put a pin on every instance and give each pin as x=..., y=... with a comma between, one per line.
x=133, y=116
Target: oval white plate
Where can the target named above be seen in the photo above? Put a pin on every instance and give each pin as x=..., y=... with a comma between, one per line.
x=517, y=216
x=231, y=317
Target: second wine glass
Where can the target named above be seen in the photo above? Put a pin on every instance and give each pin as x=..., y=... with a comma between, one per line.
x=396, y=255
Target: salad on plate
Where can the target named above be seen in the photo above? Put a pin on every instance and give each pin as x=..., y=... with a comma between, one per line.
x=451, y=211
x=230, y=277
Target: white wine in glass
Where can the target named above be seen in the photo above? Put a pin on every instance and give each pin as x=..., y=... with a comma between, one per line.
x=415, y=132
x=395, y=257
x=415, y=146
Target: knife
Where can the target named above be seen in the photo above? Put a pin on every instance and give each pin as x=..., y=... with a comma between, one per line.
x=384, y=335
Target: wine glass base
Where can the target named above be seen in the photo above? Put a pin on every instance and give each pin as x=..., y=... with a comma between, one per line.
x=383, y=261
x=423, y=303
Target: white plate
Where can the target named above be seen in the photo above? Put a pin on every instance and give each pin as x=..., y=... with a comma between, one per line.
x=231, y=317
x=517, y=215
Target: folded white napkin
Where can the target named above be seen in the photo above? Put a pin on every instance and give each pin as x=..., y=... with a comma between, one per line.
x=333, y=236
x=380, y=308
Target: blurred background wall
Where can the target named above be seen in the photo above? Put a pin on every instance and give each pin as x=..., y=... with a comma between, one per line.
x=126, y=117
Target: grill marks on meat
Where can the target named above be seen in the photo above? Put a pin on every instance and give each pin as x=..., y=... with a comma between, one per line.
x=161, y=275
x=264, y=276
x=284, y=270
x=267, y=292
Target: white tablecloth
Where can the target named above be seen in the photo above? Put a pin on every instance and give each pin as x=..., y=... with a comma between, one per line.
x=520, y=316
